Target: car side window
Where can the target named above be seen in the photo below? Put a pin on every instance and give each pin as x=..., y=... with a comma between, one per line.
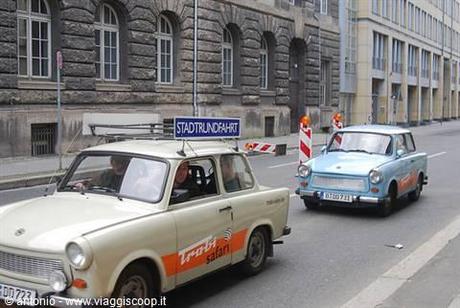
x=409, y=142
x=400, y=143
x=236, y=174
x=194, y=179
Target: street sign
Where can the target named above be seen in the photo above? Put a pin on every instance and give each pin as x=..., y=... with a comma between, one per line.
x=206, y=128
x=59, y=59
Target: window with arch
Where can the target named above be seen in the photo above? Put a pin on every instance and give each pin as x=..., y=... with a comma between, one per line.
x=227, y=58
x=34, y=38
x=165, y=50
x=263, y=63
x=107, y=33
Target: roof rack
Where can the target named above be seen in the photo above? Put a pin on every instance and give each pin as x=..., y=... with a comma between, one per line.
x=143, y=131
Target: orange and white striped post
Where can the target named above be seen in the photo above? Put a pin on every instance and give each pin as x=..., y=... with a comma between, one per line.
x=305, y=140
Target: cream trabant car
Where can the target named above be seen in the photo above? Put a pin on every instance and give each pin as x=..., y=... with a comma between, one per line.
x=138, y=218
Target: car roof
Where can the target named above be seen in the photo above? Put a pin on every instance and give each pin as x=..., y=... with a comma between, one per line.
x=166, y=148
x=379, y=129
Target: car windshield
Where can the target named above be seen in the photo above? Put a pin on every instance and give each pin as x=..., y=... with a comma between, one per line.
x=122, y=176
x=361, y=142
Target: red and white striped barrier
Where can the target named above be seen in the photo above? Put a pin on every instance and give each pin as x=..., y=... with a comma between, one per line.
x=305, y=144
x=260, y=147
x=336, y=125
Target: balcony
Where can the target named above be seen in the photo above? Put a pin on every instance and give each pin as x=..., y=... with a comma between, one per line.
x=412, y=70
x=397, y=68
x=378, y=63
x=425, y=73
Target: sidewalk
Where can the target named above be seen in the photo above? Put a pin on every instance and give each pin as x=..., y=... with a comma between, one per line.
x=437, y=284
x=30, y=171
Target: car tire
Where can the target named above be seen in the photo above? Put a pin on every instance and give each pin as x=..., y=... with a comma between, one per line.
x=415, y=195
x=387, y=207
x=135, y=282
x=257, y=252
x=311, y=205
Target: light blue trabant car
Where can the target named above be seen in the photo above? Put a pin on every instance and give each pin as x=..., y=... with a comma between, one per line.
x=364, y=166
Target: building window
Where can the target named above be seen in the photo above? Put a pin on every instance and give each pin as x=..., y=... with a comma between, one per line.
x=324, y=87
x=375, y=7
x=402, y=12
x=395, y=11
x=227, y=58
x=397, y=56
x=323, y=7
x=425, y=67
x=412, y=61
x=107, y=44
x=378, y=60
x=411, y=17
x=43, y=139
x=417, y=20
x=165, y=50
x=34, y=38
x=435, y=67
x=385, y=12
x=350, y=37
x=263, y=64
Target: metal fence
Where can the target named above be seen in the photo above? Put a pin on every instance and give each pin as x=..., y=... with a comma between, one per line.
x=43, y=139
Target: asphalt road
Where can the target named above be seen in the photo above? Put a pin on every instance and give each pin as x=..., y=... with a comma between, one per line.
x=332, y=254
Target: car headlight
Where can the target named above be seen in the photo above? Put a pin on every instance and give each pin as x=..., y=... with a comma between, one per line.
x=57, y=281
x=375, y=176
x=78, y=255
x=304, y=170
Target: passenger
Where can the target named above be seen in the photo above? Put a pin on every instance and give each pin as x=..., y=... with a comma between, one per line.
x=183, y=180
x=231, y=179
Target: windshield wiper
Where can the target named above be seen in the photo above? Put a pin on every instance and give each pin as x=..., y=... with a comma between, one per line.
x=112, y=191
x=361, y=151
x=338, y=150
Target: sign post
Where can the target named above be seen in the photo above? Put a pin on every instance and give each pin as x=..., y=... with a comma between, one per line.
x=59, y=114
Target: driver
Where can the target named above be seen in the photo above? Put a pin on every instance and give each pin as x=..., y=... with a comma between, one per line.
x=183, y=180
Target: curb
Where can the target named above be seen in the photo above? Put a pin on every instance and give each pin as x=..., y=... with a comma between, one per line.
x=28, y=181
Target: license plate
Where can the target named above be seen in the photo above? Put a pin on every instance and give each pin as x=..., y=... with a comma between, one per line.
x=336, y=197
x=16, y=294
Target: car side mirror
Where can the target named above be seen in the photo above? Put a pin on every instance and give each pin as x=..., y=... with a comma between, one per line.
x=179, y=196
x=400, y=153
x=323, y=149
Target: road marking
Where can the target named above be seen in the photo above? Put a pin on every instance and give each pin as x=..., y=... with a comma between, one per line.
x=283, y=165
x=436, y=155
x=388, y=283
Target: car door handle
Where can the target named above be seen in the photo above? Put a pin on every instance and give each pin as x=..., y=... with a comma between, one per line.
x=227, y=208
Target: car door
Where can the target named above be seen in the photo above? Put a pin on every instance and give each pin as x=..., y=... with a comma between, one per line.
x=412, y=162
x=204, y=226
x=237, y=185
x=403, y=163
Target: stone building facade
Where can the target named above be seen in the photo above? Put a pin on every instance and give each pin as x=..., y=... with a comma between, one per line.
x=265, y=61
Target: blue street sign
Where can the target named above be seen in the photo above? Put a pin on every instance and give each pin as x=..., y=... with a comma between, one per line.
x=206, y=128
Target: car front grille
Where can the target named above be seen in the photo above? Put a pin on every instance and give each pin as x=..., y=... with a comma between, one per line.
x=32, y=266
x=339, y=183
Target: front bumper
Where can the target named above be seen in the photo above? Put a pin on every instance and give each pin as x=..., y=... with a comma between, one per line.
x=359, y=201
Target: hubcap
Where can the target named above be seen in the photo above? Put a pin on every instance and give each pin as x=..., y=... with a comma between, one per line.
x=256, y=249
x=134, y=287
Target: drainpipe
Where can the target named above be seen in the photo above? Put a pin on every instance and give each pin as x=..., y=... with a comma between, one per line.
x=196, y=111
x=319, y=56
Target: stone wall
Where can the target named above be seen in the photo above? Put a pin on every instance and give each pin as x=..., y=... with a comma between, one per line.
x=26, y=101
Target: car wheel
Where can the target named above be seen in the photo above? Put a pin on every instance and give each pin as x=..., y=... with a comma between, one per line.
x=256, y=253
x=415, y=195
x=311, y=205
x=135, y=282
x=386, y=208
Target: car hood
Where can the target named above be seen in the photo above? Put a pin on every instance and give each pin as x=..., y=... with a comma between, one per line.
x=350, y=163
x=49, y=223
